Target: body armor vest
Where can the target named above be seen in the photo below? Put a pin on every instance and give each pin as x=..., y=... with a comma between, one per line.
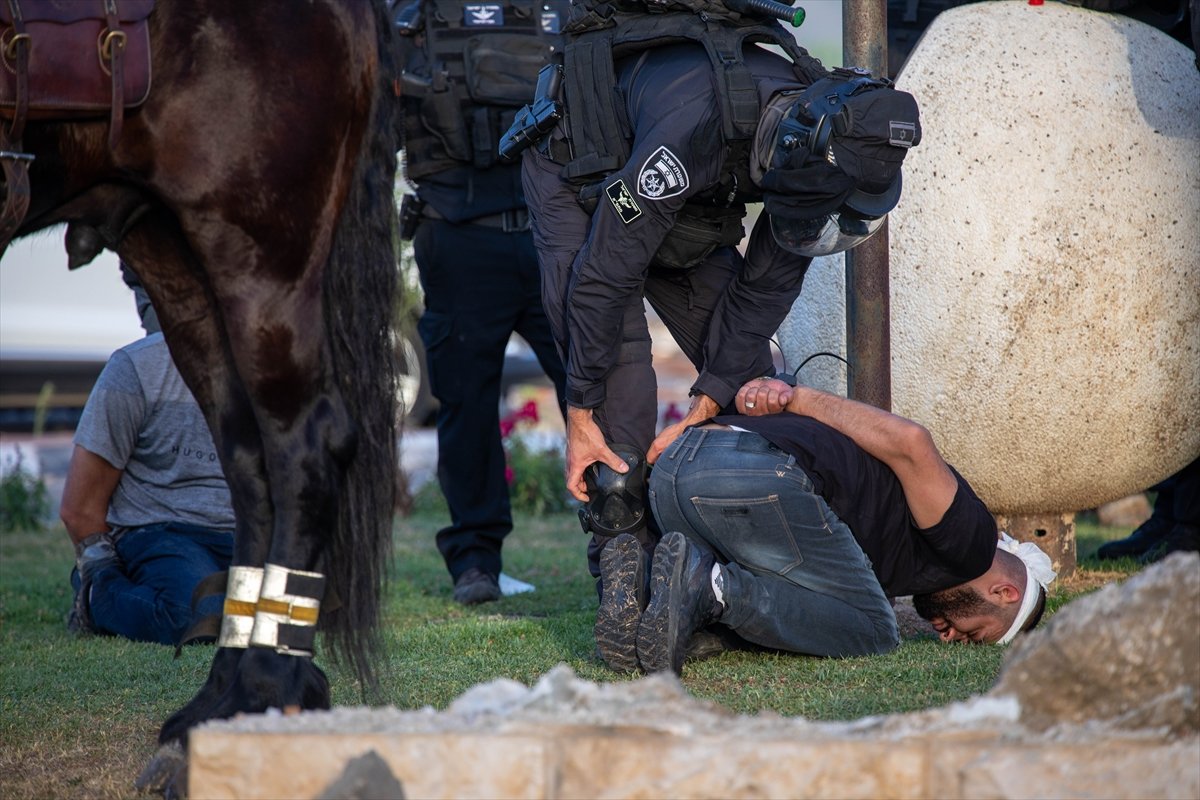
x=600, y=136
x=468, y=67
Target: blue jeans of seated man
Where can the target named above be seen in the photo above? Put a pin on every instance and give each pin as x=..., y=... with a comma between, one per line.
x=149, y=599
x=795, y=578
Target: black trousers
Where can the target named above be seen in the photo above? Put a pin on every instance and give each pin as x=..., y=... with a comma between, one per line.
x=1179, y=496
x=481, y=284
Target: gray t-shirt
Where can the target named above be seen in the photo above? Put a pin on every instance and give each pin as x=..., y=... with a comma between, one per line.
x=142, y=419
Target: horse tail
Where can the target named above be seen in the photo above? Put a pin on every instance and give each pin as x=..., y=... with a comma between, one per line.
x=359, y=301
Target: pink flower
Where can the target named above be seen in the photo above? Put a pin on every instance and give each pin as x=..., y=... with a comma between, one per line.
x=672, y=414
x=527, y=413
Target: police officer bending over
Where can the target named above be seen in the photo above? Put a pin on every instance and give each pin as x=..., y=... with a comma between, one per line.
x=468, y=67
x=670, y=123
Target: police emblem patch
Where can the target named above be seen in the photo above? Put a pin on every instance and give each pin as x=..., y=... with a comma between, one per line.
x=483, y=15
x=622, y=200
x=662, y=176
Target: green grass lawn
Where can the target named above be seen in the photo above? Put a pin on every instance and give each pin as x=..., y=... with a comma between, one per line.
x=79, y=716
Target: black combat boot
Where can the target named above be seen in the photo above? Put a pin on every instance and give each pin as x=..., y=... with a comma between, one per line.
x=1182, y=538
x=1148, y=536
x=625, y=592
x=681, y=602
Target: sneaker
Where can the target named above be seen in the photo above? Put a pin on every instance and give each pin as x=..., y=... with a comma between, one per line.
x=1182, y=538
x=625, y=594
x=476, y=586
x=681, y=602
x=1148, y=535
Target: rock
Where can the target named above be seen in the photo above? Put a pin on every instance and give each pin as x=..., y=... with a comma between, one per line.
x=367, y=777
x=1127, y=656
x=1128, y=512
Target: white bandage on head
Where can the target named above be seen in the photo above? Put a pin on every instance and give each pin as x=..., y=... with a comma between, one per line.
x=1038, y=571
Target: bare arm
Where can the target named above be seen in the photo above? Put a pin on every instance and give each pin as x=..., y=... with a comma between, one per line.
x=903, y=445
x=701, y=409
x=90, y=484
x=585, y=446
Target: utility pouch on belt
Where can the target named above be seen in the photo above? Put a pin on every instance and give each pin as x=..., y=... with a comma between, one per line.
x=698, y=230
x=411, y=207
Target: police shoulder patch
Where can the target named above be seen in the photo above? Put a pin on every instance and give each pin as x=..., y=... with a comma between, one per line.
x=662, y=176
x=622, y=200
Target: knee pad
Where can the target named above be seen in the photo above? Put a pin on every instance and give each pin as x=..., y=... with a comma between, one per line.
x=617, y=501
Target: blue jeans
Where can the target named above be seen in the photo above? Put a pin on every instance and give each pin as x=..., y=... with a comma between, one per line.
x=795, y=578
x=149, y=599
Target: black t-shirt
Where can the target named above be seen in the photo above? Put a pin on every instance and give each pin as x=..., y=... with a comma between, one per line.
x=868, y=497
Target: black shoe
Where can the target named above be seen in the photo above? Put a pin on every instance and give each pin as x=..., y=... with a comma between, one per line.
x=681, y=602
x=623, y=575
x=1148, y=535
x=1182, y=538
x=476, y=586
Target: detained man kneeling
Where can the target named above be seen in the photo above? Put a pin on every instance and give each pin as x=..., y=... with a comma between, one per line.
x=794, y=522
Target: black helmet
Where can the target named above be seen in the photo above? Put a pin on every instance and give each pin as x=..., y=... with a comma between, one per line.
x=835, y=160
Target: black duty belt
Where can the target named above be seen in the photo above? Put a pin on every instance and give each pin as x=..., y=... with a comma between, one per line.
x=514, y=220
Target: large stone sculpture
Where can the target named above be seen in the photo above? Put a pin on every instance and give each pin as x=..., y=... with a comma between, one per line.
x=1044, y=256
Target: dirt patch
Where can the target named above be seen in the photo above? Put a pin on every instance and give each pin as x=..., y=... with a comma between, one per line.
x=1086, y=580
x=102, y=768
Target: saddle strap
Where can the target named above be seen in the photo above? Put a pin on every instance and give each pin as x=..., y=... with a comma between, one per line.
x=208, y=627
x=112, y=49
x=204, y=630
x=16, y=50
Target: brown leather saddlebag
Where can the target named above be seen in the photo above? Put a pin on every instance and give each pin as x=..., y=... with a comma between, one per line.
x=69, y=61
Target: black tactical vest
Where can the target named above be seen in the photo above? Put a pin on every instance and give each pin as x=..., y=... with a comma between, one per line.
x=594, y=44
x=468, y=67
x=600, y=137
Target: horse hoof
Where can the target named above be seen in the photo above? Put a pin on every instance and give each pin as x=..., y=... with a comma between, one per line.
x=166, y=773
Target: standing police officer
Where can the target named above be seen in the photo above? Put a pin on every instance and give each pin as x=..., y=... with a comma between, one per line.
x=468, y=67
x=670, y=122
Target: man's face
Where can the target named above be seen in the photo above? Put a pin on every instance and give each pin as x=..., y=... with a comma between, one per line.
x=960, y=614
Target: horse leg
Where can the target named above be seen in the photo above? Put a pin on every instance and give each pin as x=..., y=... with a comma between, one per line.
x=187, y=311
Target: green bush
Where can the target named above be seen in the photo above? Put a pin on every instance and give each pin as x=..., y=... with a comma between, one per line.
x=535, y=478
x=24, y=501
x=535, y=482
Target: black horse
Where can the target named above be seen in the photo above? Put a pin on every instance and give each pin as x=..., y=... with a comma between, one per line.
x=252, y=193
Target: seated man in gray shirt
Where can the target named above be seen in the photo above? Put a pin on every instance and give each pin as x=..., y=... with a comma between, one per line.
x=145, y=501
